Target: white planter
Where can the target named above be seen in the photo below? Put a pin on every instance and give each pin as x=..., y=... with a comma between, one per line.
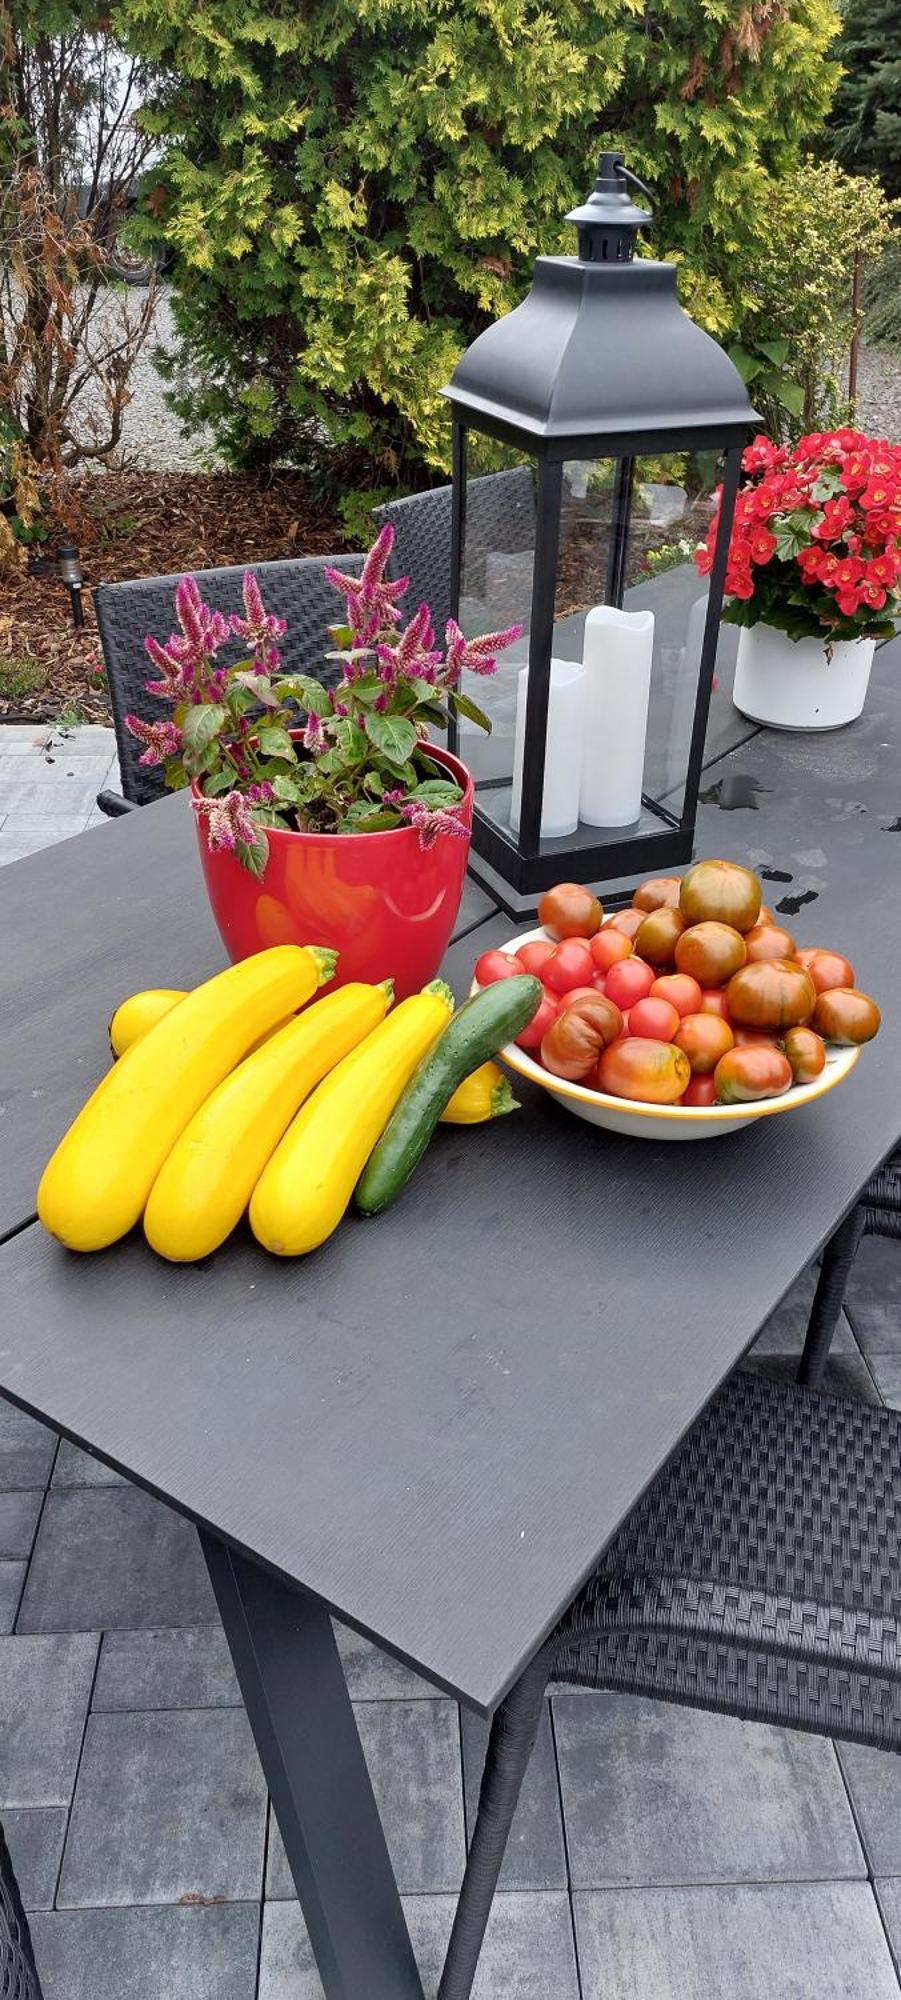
x=791, y=684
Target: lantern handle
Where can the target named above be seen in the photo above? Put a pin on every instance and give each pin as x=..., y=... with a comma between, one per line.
x=634, y=181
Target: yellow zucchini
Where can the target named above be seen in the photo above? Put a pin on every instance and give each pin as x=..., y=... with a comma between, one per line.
x=140, y=1012
x=304, y=1191
x=483, y=1095
x=204, y=1186
x=95, y=1186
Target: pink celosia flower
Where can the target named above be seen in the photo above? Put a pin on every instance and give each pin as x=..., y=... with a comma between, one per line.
x=228, y=821
x=370, y=598
x=313, y=738
x=258, y=628
x=184, y=661
x=478, y=656
x=163, y=739
x=261, y=794
x=413, y=653
x=429, y=822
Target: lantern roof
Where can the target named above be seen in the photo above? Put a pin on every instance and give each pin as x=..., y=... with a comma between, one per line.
x=600, y=356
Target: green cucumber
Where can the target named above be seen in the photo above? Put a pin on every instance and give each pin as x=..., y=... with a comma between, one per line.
x=494, y=1016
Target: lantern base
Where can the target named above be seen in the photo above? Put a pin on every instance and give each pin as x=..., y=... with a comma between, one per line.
x=612, y=866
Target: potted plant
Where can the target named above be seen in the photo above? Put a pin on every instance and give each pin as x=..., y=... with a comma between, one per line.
x=324, y=813
x=813, y=576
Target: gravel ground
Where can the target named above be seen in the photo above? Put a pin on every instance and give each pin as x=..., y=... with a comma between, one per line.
x=879, y=392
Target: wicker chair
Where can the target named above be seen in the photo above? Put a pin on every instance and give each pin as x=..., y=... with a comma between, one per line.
x=878, y=1213
x=500, y=519
x=18, y=1972
x=297, y=591
x=760, y=1576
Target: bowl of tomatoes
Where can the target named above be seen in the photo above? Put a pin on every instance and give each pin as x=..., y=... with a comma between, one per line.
x=687, y=1016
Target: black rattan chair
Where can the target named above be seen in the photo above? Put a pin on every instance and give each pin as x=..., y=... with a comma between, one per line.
x=297, y=591
x=18, y=1972
x=760, y=1577
x=500, y=519
x=878, y=1213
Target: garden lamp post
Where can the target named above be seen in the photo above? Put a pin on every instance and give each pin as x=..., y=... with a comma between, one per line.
x=68, y=568
x=593, y=766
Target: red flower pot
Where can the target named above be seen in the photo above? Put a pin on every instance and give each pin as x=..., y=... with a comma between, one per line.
x=386, y=905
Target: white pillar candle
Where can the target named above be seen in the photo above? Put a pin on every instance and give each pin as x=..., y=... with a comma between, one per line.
x=618, y=651
x=563, y=749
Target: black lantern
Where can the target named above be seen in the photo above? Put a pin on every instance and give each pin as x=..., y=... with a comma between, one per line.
x=617, y=417
x=69, y=570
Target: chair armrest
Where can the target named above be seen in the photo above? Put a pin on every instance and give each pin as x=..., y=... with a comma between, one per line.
x=113, y=804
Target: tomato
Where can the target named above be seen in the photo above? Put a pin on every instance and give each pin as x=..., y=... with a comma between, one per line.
x=629, y=981
x=647, y=1072
x=535, y=1030
x=828, y=969
x=608, y=947
x=806, y=1052
x=720, y=892
x=775, y=993
x=682, y=992
x=764, y=916
x=657, y=938
x=661, y=892
x=713, y=1001
x=577, y=993
x=627, y=921
x=570, y=910
x=534, y=957
x=769, y=941
x=494, y=965
x=846, y=1016
x=743, y=1075
x=599, y=982
x=573, y=1042
x=701, y=1092
x=703, y=1038
x=756, y=1038
x=711, y=952
x=654, y=1020
x=570, y=964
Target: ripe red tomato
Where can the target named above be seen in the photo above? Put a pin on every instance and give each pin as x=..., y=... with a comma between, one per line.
x=846, y=1016
x=720, y=892
x=701, y=1092
x=599, y=982
x=653, y=1020
x=774, y=993
x=570, y=964
x=627, y=921
x=647, y=1072
x=535, y=1030
x=756, y=1038
x=680, y=990
x=534, y=957
x=710, y=952
x=828, y=969
x=570, y=910
x=608, y=947
x=629, y=981
x=768, y=941
x=494, y=965
x=743, y=1075
x=703, y=1038
x=661, y=892
x=713, y=1001
x=658, y=936
x=573, y=1042
x=577, y=993
x=806, y=1051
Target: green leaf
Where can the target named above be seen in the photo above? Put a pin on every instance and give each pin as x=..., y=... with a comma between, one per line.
x=776, y=351
x=747, y=364
x=470, y=709
x=258, y=686
x=274, y=741
x=219, y=781
x=432, y=712
x=790, y=395
x=308, y=692
x=392, y=735
x=349, y=738
x=288, y=790
x=437, y=792
x=253, y=855
x=364, y=818
x=201, y=724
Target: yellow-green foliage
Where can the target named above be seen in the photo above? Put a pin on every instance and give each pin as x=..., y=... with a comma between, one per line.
x=353, y=188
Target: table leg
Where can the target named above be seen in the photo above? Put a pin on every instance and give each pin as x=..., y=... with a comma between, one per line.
x=295, y=1693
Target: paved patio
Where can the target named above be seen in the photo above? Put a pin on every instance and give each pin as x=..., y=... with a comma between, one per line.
x=658, y=1854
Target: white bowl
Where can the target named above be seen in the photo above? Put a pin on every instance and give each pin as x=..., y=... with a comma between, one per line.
x=668, y=1121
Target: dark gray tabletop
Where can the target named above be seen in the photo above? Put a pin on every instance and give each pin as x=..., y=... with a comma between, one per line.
x=437, y=1422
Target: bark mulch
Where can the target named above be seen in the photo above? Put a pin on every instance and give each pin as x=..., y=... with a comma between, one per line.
x=130, y=524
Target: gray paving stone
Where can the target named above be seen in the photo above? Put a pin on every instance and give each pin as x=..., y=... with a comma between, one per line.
x=372, y=1675
x=44, y=793
x=58, y=766
x=26, y=1448
x=113, y=1557
x=889, y=1897
x=873, y=1296
x=886, y=1371
x=12, y=1578
x=27, y=833
x=811, y=1941
x=35, y=1838
x=45, y=1687
x=663, y=1795
x=785, y=1330
x=413, y=1753
x=845, y=1374
x=190, y=1668
x=18, y=1520
x=75, y=1467
x=527, y=1955
x=874, y=1782
x=168, y=1808
x=162, y=1954
x=536, y=1856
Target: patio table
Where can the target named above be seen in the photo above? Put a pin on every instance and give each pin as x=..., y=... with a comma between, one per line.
x=434, y=1426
